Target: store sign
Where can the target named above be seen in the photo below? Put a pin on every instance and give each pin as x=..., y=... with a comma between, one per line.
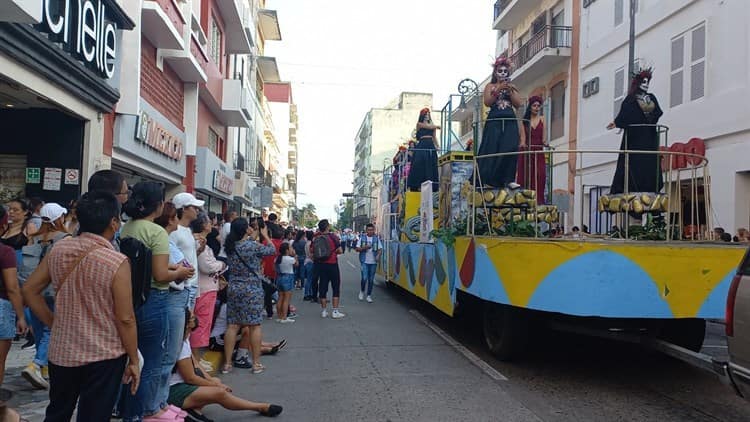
x=222, y=182
x=151, y=133
x=33, y=175
x=84, y=30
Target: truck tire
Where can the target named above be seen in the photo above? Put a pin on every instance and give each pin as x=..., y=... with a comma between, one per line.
x=685, y=332
x=505, y=330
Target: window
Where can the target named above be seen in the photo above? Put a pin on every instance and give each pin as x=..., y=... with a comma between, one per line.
x=688, y=55
x=214, y=37
x=213, y=141
x=622, y=9
x=619, y=11
x=557, y=110
x=619, y=93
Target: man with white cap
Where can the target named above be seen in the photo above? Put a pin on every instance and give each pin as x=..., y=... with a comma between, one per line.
x=52, y=230
x=188, y=207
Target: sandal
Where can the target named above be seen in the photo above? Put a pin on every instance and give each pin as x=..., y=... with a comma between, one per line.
x=226, y=369
x=281, y=344
x=273, y=410
x=258, y=368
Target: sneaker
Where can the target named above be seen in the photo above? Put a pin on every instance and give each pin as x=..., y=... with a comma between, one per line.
x=337, y=314
x=292, y=315
x=369, y=299
x=33, y=374
x=29, y=344
x=306, y=299
x=286, y=320
x=243, y=362
x=45, y=372
x=324, y=314
x=194, y=416
x=361, y=295
x=314, y=300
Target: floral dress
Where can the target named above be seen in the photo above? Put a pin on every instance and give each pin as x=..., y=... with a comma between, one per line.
x=245, y=291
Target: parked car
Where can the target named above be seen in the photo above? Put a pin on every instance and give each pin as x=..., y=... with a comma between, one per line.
x=738, y=328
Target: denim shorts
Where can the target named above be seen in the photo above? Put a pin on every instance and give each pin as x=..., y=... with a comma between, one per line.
x=7, y=320
x=285, y=282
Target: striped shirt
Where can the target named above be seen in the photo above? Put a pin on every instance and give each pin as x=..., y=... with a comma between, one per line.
x=84, y=331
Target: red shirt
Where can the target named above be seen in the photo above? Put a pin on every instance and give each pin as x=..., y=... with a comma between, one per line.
x=7, y=260
x=269, y=262
x=334, y=258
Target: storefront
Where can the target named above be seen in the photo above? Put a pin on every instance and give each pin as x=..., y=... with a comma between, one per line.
x=149, y=147
x=213, y=182
x=56, y=92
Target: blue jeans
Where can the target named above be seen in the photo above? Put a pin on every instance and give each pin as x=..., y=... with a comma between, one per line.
x=368, y=277
x=41, y=334
x=177, y=302
x=192, y=296
x=153, y=328
x=308, y=279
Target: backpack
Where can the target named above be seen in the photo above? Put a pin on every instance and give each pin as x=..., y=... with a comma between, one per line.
x=32, y=255
x=140, y=268
x=322, y=248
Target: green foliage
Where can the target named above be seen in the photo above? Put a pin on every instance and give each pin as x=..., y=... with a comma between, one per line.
x=446, y=235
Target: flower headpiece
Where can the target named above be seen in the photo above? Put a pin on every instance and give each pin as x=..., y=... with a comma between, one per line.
x=424, y=111
x=642, y=73
x=501, y=61
x=535, y=99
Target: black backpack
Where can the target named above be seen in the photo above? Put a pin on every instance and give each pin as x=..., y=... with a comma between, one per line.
x=322, y=247
x=140, y=268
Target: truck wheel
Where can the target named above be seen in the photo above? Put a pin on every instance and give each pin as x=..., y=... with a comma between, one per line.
x=505, y=330
x=687, y=332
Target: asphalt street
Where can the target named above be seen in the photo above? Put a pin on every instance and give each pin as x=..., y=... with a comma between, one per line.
x=399, y=359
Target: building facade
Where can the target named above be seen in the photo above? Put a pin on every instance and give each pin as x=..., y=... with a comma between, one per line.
x=701, y=69
x=540, y=37
x=56, y=94
x=382, y=131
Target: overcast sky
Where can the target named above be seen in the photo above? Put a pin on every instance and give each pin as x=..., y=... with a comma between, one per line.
x=344, y=57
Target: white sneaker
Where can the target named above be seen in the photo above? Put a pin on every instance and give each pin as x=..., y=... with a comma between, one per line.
x=369, y=299
x=336, y=314
x=286, y=321
x=513, y=185
x=361, y=295
x=324, y=314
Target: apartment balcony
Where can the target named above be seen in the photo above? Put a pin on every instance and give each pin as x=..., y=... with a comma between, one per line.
x=269, y=70
x=292, y=156
x=187, y=64
x=548, y=48
x=21, y=11
x=234, y=15
x=162, y=23
x=509, y=13
x=292, y=139
x=268, y=23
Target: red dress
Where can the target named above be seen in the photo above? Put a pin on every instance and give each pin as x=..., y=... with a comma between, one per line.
x=532, y=169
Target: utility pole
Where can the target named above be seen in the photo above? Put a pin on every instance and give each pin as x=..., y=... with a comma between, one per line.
x=631, y=43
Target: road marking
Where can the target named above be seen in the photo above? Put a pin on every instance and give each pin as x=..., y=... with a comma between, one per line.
x=468, y=354
x=352, y=265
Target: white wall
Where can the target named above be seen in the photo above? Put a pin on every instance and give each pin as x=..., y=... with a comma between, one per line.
x=720, y=117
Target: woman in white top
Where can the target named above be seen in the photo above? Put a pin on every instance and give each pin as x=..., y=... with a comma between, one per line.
x=286, y=262
x=191, y=388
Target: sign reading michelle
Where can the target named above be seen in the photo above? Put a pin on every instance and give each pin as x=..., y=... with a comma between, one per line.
x=84, y=29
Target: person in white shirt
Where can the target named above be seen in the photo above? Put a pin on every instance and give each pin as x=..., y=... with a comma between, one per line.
x=191, y=388
x=286, y=261
x=187, y=210
x=229, y=216
x=369, y=247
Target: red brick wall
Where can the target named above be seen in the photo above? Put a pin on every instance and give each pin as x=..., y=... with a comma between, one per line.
x=109, y=133
x=163, y=90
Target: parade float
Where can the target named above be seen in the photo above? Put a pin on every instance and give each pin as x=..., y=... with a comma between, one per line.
x=498, y=250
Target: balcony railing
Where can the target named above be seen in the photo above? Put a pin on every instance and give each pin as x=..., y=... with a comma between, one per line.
x=550, y=36
x=239, y=162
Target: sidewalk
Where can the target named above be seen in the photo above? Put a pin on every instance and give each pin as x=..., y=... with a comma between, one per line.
x=380, y=363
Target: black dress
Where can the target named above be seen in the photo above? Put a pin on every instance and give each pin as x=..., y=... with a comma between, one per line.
x=424, y=162
x=644, y=172
x=499, y=136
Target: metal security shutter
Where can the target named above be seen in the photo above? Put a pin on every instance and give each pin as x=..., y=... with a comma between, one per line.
x=12, y=177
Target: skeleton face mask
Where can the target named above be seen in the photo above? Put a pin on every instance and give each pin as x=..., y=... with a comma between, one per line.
x=502, y=73
x=644, y=85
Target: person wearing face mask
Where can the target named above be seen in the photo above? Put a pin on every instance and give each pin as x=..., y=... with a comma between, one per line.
x=500, y=133
x=424, y=158
x=638, y=108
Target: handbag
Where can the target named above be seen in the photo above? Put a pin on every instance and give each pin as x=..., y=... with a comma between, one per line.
x=268, y=287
